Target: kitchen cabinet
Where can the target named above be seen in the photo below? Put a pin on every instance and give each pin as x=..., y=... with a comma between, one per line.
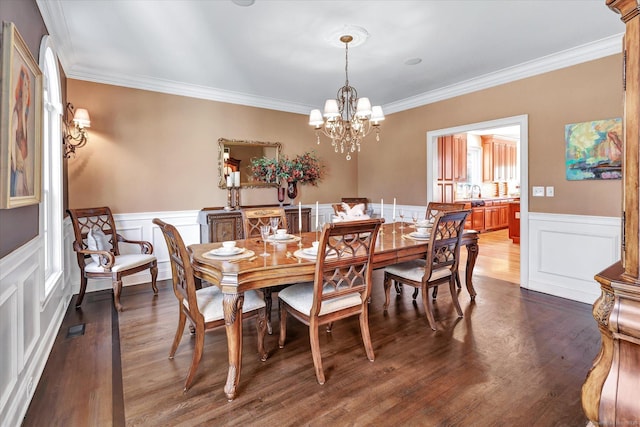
x=493, y=215
x=452, y=165
x=499, y=159
x=452, y=158
x=218, y=225
x=514, y=221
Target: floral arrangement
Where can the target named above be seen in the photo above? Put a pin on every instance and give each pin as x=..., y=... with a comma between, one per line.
x=304, y=168
x=265, y=169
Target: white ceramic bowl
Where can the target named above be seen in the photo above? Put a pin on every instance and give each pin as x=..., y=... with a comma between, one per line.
x=281, y=232
x=422, y=230
x=314, y=246
x=229, y=245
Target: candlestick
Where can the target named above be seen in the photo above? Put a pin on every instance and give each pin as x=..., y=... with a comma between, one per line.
x=381, y=213
x=394, y=210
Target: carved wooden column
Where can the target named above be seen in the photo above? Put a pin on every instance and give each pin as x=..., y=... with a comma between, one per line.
x=611, y=392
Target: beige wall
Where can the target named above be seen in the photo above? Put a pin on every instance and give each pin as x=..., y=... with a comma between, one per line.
x=152, y=152
x=396, y=167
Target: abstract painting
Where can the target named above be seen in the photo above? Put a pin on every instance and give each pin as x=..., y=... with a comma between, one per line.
x=594, y=150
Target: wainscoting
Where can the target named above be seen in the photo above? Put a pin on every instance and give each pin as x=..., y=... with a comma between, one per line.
x=564, y=254
x=567, y=251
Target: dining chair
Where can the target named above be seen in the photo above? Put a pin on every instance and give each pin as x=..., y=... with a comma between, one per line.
x=439, y=266
x=203, y=307
x=434, y=208
x=97, y=247
x=252, y=219
x=341, y=286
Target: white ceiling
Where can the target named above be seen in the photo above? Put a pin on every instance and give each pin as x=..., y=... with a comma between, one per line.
x=274, y=54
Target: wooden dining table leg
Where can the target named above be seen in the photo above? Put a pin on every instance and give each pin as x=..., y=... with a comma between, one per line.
x=472, y=255
x=232, y=306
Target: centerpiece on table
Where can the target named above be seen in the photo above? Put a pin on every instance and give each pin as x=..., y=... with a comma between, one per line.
x=304, y=169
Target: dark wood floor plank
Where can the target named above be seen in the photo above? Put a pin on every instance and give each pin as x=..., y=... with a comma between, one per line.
x=75, y=387
x=516, y=358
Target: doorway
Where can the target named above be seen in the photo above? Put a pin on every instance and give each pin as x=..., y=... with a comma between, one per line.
x=523, y=162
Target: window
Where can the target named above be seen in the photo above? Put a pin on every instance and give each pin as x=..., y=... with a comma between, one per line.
x=51, y=206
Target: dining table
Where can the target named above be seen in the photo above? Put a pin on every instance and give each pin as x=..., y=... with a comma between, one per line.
x=287, y=263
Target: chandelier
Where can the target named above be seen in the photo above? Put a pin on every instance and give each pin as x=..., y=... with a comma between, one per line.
x=347, y=120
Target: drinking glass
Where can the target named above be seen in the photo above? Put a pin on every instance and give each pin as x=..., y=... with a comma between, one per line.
x=401, y=215
x=264, y=232
x=274, y=226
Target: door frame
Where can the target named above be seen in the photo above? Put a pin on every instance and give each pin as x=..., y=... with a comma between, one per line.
x=523, y=158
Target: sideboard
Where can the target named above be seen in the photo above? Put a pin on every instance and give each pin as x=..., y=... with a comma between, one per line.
x=218, y=225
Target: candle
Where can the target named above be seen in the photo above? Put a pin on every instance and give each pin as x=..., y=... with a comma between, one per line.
x=236, y=179
x=381, y=208
x=394, y=209
x=299, y=217
x=229, y=181
x=316, y=215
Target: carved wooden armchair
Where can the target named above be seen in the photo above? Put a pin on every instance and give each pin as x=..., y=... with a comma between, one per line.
x=203, y=307
x=97, y=248
x=439, y=266
x=341, y=286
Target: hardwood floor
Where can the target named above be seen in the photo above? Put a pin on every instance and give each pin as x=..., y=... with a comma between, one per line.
x=516, y=358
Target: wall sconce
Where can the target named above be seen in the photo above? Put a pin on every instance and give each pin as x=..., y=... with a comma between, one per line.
x=75, y=133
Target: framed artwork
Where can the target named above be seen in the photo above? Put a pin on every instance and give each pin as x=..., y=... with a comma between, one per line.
x=20, y=123
x=594, y=150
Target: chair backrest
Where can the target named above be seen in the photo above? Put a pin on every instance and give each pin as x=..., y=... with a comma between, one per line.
x=86, y=219
x=444, y=244
x=253, y=218
x=351, y=201
x=184, y=285
x=344, y=260
x=434, y=208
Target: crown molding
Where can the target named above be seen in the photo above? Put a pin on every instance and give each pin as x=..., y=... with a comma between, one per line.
x=584, y=53
x=190, y=90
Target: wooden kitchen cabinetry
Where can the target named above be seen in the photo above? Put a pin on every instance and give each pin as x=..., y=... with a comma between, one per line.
x=452, y=166
x=218, y=225
x=491, y=215
x=452, y=158
x=514, y=222
x=499, y=159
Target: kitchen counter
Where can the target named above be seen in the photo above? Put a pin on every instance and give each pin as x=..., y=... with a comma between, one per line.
x=490, y=213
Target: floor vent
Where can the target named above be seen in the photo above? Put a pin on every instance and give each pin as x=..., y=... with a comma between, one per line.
x=75, y=331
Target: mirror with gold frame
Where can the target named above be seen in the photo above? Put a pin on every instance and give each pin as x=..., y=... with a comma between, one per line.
x=235, y=155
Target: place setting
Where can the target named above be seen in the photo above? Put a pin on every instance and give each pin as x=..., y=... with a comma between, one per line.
x=281, y=236
x=421, y=233
x=229, y=252
x=311, y=253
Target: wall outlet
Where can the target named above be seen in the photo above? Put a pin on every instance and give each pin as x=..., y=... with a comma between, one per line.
x=549, y=191
x=538, y=191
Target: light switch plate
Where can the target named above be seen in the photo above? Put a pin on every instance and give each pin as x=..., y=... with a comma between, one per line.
x=538, y=191
x=549, y=191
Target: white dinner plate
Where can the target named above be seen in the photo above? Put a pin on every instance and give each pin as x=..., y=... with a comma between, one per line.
x=417, y=235
x=226, y=252
x=281, y=237
x=310, y=251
